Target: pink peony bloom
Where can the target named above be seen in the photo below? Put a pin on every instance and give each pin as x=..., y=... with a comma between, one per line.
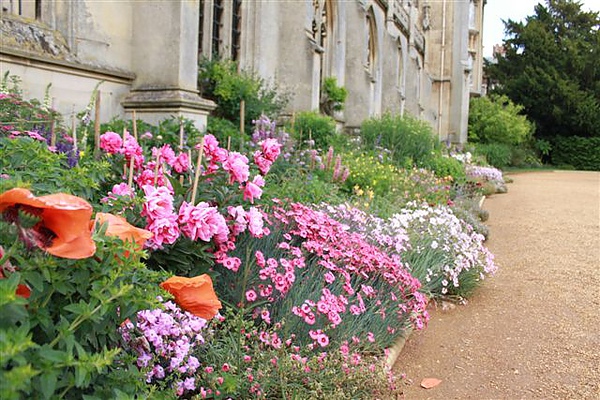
x=253, y=189
x=271, y=149
x=131, y=148
x=166, y=154
x=255, y=222
x=165, y=231
x=111, y=142
x=263, y=164
x=181, y=163
x=194, y=221
x=122, y=189
x=237, y=166
x=239, y=218
x=159, y=202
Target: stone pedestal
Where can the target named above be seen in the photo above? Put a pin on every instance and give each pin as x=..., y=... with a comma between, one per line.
x=165, y=61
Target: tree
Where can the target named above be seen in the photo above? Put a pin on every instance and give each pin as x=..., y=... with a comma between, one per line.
x=552, y=67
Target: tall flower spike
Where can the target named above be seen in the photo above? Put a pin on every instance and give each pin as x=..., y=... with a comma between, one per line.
x=63, y=229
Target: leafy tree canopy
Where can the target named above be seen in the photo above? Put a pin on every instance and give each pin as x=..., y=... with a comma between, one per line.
x=552, y=67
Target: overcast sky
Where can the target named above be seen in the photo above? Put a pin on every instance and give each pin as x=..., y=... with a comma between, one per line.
x=498, y=10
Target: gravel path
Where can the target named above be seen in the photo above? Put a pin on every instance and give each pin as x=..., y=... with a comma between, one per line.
x=533, y=330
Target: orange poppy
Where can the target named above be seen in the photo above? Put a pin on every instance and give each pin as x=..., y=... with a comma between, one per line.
x=195, y=295
x=63, y=229
x=119, y=227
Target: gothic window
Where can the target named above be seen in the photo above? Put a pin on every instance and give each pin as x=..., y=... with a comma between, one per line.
x=321, y=23
x=371, y=53
x=201, y=29
x=236, y=29
x=24, y=8
x=472, y=14
x=216, y=28
x=400, y=68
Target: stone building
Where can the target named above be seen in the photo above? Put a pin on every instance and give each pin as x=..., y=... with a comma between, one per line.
x=401, y=56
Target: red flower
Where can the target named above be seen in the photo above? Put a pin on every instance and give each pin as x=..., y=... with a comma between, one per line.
x=63, y=229
x=195, y=295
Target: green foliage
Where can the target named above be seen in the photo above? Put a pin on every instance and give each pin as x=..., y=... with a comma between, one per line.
x=220, y=81
x=301, y=185
x=28, y=163
x=310, y=125
x=225, y=130
x=551, y=68
x=496, y=119
x=447, y=166
x=496, y=154
x=409, y=140
x=63, y=341
x=579, y=152
x=332, y=96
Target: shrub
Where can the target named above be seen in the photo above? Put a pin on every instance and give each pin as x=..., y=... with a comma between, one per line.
x=332, y=96
x=444, y=166
x=58, y=331
x=582, y=153
x=496, y=119
x=226, y=132
x=498, y=155
x=310, y=125
x=220, y=81
x=409, y=140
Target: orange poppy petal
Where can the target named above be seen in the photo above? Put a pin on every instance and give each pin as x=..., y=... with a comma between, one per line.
x=195, y=295
x=67, y=216
x=119, y=227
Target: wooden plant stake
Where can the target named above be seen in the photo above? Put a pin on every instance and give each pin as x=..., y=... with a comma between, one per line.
x=156, y=168
x=242, y=115
x=228, y=143
x=181, y=145
x=132, y=159
x=74, y=130
x=53, y=133
x=124, y=165
x=197, y=174
x=97, y=126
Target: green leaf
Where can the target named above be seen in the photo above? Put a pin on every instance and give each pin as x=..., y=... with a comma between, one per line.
x=48, y=381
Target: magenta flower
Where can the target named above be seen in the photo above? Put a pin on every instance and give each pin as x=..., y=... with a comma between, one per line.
x=201, y=222
x=237, y=166
x=255, y=222
x=111, y=142
x=159, y=202
x=271, y=149
x=253, y=189
x=181, y=163
x=251, y=295
x=165, y=230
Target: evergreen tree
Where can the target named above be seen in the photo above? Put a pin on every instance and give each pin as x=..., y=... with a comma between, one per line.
x=552, y=68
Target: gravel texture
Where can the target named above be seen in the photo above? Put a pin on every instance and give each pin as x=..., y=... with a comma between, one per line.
x=533, y=330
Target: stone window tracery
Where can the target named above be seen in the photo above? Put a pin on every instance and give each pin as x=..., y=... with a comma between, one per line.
x=236, y=29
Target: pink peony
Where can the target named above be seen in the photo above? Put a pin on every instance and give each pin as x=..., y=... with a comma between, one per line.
x=164, y=230
x=111, y=142
x=237, y=166
x=255, y=222
x=239, y=219
x=263, y=164
x=131, y=148
x=181, y=163
x=159, y=202
x=202, y=222
x=253, y=189
x=271, y=149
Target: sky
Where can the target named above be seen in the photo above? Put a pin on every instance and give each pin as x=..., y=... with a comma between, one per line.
x=497, y=10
